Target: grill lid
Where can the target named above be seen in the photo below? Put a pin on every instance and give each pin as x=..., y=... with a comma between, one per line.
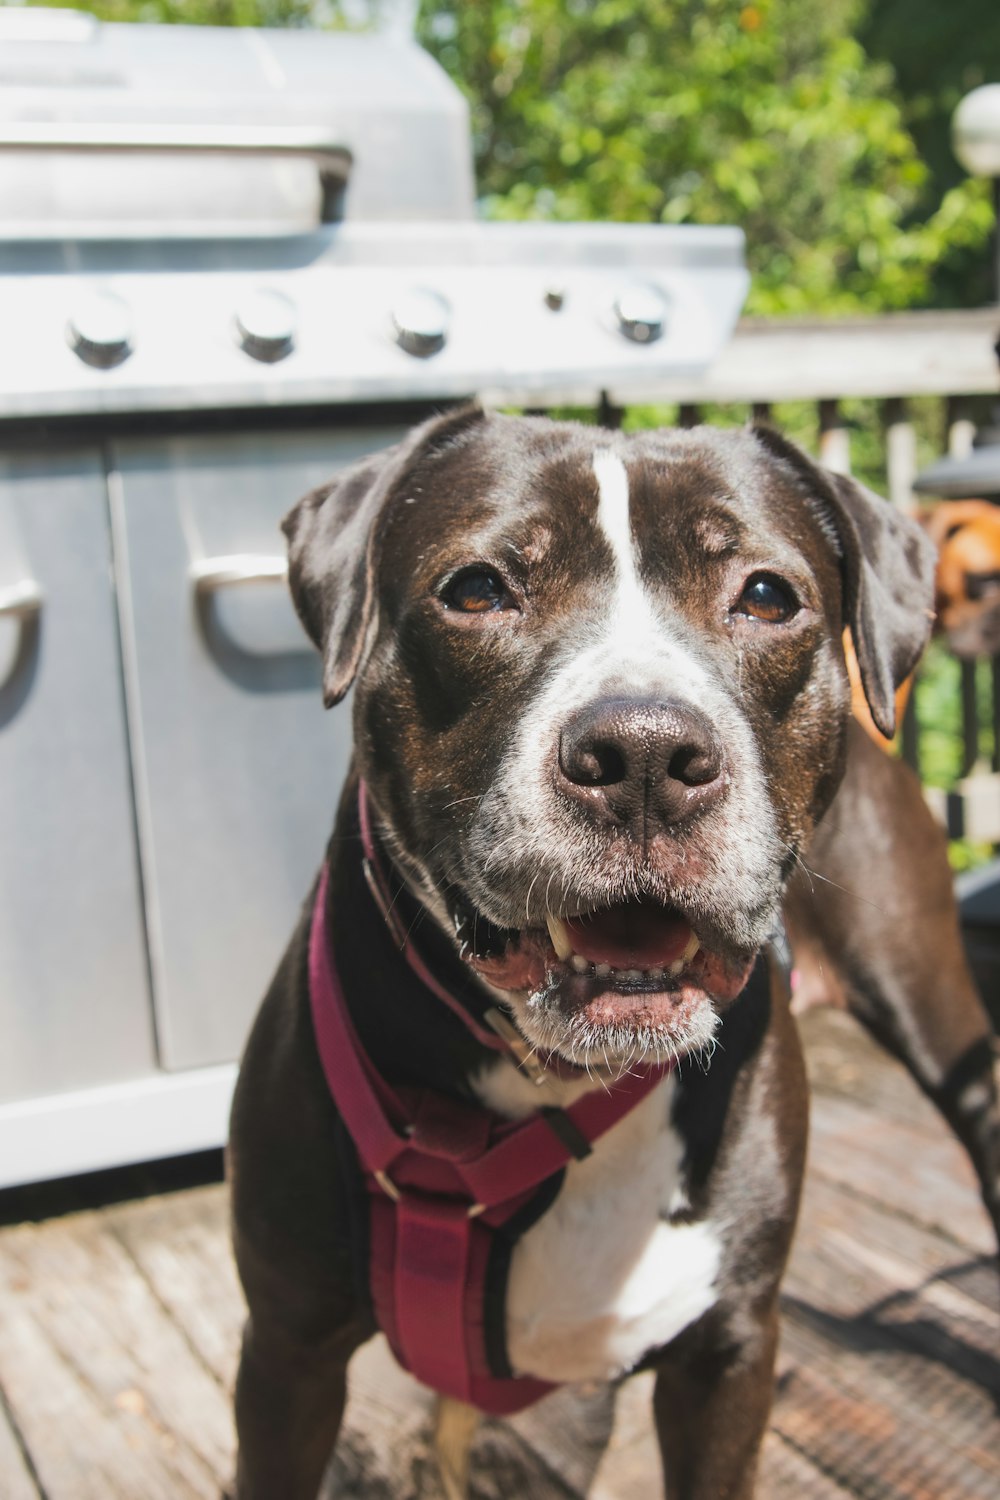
x=180, y=131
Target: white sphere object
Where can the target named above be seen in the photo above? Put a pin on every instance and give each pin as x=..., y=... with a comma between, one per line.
x=975, y=131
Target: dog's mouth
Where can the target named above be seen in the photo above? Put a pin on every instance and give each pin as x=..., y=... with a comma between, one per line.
x=632, y=977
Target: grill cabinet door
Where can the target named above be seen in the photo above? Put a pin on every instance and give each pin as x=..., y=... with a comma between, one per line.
x=237, y=764
x=74, y=997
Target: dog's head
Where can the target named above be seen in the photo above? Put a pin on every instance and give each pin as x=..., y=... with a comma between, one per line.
x=601, y=699
x=967, y=593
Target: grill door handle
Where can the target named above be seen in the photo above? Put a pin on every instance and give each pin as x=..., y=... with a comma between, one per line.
x=308, y=142
x=21, y=600
x=211, y=573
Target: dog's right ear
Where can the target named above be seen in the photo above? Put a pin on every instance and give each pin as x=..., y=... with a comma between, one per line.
x=334, y=534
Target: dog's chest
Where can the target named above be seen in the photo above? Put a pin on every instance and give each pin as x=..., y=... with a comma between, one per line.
x=603, y=1276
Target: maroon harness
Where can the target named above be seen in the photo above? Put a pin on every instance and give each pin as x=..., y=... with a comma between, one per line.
x=442, y=1178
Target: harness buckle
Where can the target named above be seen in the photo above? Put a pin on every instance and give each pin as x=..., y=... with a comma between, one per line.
x=390, y=1190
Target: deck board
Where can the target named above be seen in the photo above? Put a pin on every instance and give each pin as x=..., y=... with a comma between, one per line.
x=105, y=1387
x=119, y=1336
x=16, y=1479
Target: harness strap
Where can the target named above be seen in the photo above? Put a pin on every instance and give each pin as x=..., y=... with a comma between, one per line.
x=442, y=1177
x=378, y=885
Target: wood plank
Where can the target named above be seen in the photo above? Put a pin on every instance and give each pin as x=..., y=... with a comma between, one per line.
x=881, y=1425
x=181, y=1244
x=102, y=1383
x=830, y=1204
x=786, y=1474
x=905, y=1256
x=898, y=1318
x=844, y=1060
x=889, y=1315
x=630, y=1466
x=83, y=1447
x=569, y=1432
x=16, y=1481
x=920, y=1174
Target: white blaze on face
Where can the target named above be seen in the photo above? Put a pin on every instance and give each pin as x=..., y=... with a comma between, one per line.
x=631, y=603
x=615, y=521
x=634, y=630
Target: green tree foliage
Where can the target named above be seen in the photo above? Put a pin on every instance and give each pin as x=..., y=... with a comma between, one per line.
x=195, y=12
x=770, y=115
x=938, y=53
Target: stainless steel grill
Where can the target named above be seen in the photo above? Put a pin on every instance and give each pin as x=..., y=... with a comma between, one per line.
x=230, y=263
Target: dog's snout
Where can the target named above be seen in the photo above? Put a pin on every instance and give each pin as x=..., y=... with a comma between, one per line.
x=643, y=762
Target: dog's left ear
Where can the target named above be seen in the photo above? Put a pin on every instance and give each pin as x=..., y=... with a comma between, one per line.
x=334, y=534
x=888, y=565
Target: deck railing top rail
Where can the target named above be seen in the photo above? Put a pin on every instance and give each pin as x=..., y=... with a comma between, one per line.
x=892, y=355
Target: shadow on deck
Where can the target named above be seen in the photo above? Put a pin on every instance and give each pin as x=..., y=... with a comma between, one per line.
x=119, y=1328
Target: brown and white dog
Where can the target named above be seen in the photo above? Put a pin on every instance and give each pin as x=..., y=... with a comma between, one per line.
x=600, y=707
x=967, y=583
x=966, y=534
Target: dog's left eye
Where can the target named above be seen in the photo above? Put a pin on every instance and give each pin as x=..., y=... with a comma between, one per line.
x=476, y=590
x=767, y=598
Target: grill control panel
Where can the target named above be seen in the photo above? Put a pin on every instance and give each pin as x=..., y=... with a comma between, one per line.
x=365, y=313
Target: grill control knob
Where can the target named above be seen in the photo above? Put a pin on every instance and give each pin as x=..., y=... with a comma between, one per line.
x=421, y=319
x=266, y=324
x=99, y=329
x=641, y=312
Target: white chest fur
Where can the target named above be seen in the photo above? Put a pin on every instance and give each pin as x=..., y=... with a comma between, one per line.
x=602, y=1277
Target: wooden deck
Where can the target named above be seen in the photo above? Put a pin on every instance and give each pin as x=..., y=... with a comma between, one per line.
x=119, y=1328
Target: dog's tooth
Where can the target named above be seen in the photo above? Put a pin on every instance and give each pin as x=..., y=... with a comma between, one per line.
x=690, y=949
x=676, y=967
x=602, y=970
x=580, y=964
x=559, y=933
x=632, y=974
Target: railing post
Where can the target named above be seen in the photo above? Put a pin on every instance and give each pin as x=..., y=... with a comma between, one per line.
x=834, y=438
x=608, y=414
x=909, y=733
x=900, y=452
x=960, y=431
x=970, y=717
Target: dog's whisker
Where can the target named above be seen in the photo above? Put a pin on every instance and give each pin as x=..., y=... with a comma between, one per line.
x=854, y=895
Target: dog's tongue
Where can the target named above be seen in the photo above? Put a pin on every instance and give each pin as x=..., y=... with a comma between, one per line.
x=635, y=936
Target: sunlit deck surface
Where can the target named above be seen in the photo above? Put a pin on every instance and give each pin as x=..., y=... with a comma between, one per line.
x=119, y=1328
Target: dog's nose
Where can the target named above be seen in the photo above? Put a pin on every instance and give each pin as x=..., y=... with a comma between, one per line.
x=646, y=764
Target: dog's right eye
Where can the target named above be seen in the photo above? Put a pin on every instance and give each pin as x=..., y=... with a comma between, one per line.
x=477, y=590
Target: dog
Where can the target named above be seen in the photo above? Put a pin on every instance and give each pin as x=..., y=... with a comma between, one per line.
x=967, y=587
x=601, y=715
x=966, y=534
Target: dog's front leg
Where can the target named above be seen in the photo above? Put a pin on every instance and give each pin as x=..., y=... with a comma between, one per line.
x=711, y=1405
x=289, y=1403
